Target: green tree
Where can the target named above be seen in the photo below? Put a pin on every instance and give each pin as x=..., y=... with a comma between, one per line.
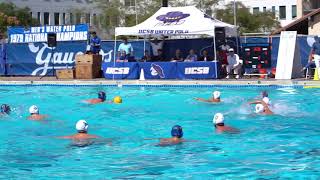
x=112, y=12
x=246, y=21
x=11, y=15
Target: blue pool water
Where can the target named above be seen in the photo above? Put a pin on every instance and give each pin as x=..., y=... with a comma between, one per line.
x=285, y=145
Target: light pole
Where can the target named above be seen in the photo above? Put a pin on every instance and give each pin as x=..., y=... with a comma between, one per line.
x=135, y=9
x=234, y=13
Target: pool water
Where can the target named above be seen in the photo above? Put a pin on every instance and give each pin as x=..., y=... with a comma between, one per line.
x=284, y=145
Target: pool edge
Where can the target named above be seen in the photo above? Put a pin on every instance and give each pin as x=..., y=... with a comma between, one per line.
x=260, y=83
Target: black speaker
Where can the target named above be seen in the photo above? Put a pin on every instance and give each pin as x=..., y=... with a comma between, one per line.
x=52, y=39
x=164, y=3
x=220, y=36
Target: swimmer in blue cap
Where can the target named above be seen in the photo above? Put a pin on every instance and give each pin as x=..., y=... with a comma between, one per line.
x=264, y=94
x=215, y=98
x=176, y=133
x=101, y=98
x=5, y=109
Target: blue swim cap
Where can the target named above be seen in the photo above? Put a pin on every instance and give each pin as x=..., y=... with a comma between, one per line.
x=176, y=131
x=264, y=94
x=102, y=95
x=5, y=109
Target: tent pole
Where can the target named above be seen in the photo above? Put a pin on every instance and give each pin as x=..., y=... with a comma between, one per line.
x=114, y=53
x=144, y=43
x=215, y=55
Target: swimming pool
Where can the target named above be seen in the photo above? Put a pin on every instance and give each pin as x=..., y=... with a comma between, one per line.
x=285, y=145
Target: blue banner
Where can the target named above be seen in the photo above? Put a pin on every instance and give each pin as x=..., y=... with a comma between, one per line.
x=3, y=57
x=39, y=34
x=159, y=70
x=129, y=70
x=36, y=58
x=197, y=70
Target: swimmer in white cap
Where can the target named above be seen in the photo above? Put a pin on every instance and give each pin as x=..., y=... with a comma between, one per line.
x=262, y=108
x=218, y=121
x=215, y=98
x=265, y=99
x=34, y=114
x=82, y=128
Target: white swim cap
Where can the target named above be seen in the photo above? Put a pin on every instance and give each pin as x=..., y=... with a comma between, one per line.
x=266, y=100
x=82, y=125
x=218, y=118
x=33, y=109
x=216, y=94
x=259, y=108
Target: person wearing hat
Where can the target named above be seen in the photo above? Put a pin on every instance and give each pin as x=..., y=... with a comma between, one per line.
x=82, y=129
x=233, y=64
x=101, y=98
x=262, y=106
x=176, y=133
x=5, y=109
x=215, y=98
x=218, y=121
x=34, y=114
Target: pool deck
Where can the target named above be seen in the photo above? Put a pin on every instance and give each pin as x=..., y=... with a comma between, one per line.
x=29, y=80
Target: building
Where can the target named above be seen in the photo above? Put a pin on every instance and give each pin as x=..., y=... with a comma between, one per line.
x=60, y=12
x=308, y=22
x=285, y=10
x=306, y=6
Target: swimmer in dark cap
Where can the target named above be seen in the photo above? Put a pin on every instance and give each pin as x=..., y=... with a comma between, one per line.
x=5, y=109
x=215, y=98
x=176, y=133
x=101, y=98
x=220, y=126
x=264, y=94
x=82, y=128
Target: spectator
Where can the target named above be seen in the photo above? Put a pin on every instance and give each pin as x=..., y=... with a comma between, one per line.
x=95, y=41
x=205, y=56
x=146, y=57
x=122, y=57
x=126, y=47
x=192, y=57
x=225, y=47
x=160, y=56
x=315, y=50
x=233, y=64
x=311, y=62
x=222, y=57
x=156, y=45
x=178, y=56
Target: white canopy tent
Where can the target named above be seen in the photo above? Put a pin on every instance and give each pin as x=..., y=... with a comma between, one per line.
x=170, y=21
x=186, y=20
